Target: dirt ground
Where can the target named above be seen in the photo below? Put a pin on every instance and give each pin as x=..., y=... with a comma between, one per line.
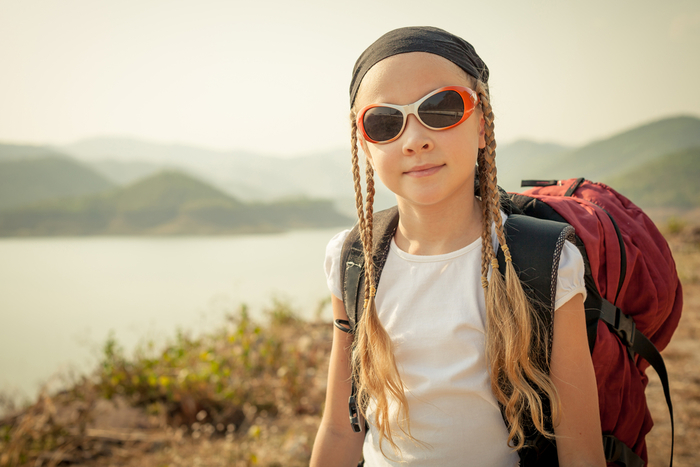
x=682, y=358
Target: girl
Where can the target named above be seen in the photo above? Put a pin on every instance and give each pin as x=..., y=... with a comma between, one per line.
x=444, y=339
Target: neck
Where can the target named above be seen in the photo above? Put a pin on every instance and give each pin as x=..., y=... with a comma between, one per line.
x=435, y=230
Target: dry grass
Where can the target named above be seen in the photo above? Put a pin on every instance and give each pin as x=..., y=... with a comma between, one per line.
x=682, y=357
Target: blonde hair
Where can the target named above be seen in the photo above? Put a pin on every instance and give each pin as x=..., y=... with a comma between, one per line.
x=515, y=336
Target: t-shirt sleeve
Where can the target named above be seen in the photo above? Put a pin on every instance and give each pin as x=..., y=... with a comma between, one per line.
x=570, y=278
x=332, y=263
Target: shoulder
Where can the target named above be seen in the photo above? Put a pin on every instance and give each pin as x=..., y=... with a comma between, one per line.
x=570, y=276
x=335, y=244
x=332, y=262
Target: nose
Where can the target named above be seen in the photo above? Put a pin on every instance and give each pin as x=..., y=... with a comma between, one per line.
x=416, y=137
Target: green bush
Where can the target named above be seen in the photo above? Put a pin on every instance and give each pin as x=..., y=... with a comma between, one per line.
x=244, y=366
x=675, y=225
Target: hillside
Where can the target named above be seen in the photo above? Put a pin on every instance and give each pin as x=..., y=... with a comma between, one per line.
x=32, y=179
x=516, y=158
x=671, y=181
x=167, y=190
x=168, y=203
x=124, y=172
x=616, y=155
x=21, y=151
x=241, y=174
x=248, y=177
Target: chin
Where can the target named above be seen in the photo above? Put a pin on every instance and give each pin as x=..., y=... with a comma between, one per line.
x=424, y=200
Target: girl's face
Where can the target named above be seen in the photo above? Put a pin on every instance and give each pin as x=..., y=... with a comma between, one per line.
x=422, y=167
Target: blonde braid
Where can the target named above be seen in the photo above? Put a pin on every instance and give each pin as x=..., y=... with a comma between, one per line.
x=370, y=289
x=487, y=245
x=356, y=174
x=513, y=329
x=373, y=364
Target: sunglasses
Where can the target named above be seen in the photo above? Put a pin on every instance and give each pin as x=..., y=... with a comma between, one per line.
x=442, y=109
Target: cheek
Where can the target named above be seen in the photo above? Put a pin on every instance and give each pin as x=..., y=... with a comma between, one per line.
x=376, y=159
x=466, y=139
x=366, y=152
x=472, y=134
x=382, y=163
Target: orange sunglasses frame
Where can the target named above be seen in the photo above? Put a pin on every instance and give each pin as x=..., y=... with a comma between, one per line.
x=468, y=96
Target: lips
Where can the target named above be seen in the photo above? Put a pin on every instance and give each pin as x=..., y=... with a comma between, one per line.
x=424, y=170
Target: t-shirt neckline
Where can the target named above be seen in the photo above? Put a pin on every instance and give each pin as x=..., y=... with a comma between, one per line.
x=433, y=258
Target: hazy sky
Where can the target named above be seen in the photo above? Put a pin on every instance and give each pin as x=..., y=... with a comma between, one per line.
x=273, y=76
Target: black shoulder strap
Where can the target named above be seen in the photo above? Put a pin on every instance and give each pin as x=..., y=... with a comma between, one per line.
x=352, y=272
x=352, y=277
x=535, y=246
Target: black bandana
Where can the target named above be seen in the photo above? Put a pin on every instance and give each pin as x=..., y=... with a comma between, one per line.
x=419, y=39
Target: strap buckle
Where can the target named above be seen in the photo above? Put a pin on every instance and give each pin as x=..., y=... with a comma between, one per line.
x=354, y=414
x=625, y=327
x=621, y=324
x=343, y=325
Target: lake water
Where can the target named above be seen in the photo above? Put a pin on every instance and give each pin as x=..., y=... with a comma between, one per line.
x=61, y=298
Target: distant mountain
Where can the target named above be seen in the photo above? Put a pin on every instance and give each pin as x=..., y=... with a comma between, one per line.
x=167, y=190
x=168, y=203
x=670, y=181
x=247, y=176
x=128, y=149
x=618, y=154
x=124, y=172
x=257, y=177
x=39, y=177
x=513, y=159
x=20, y=151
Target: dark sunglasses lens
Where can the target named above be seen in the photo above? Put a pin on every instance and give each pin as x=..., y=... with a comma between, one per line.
x=382, y=123
x=442, y=110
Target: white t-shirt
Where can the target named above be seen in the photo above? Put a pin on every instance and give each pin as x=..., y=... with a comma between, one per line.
x=433, y=309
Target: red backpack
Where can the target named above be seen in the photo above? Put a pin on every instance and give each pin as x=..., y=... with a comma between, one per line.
x=633, y=303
